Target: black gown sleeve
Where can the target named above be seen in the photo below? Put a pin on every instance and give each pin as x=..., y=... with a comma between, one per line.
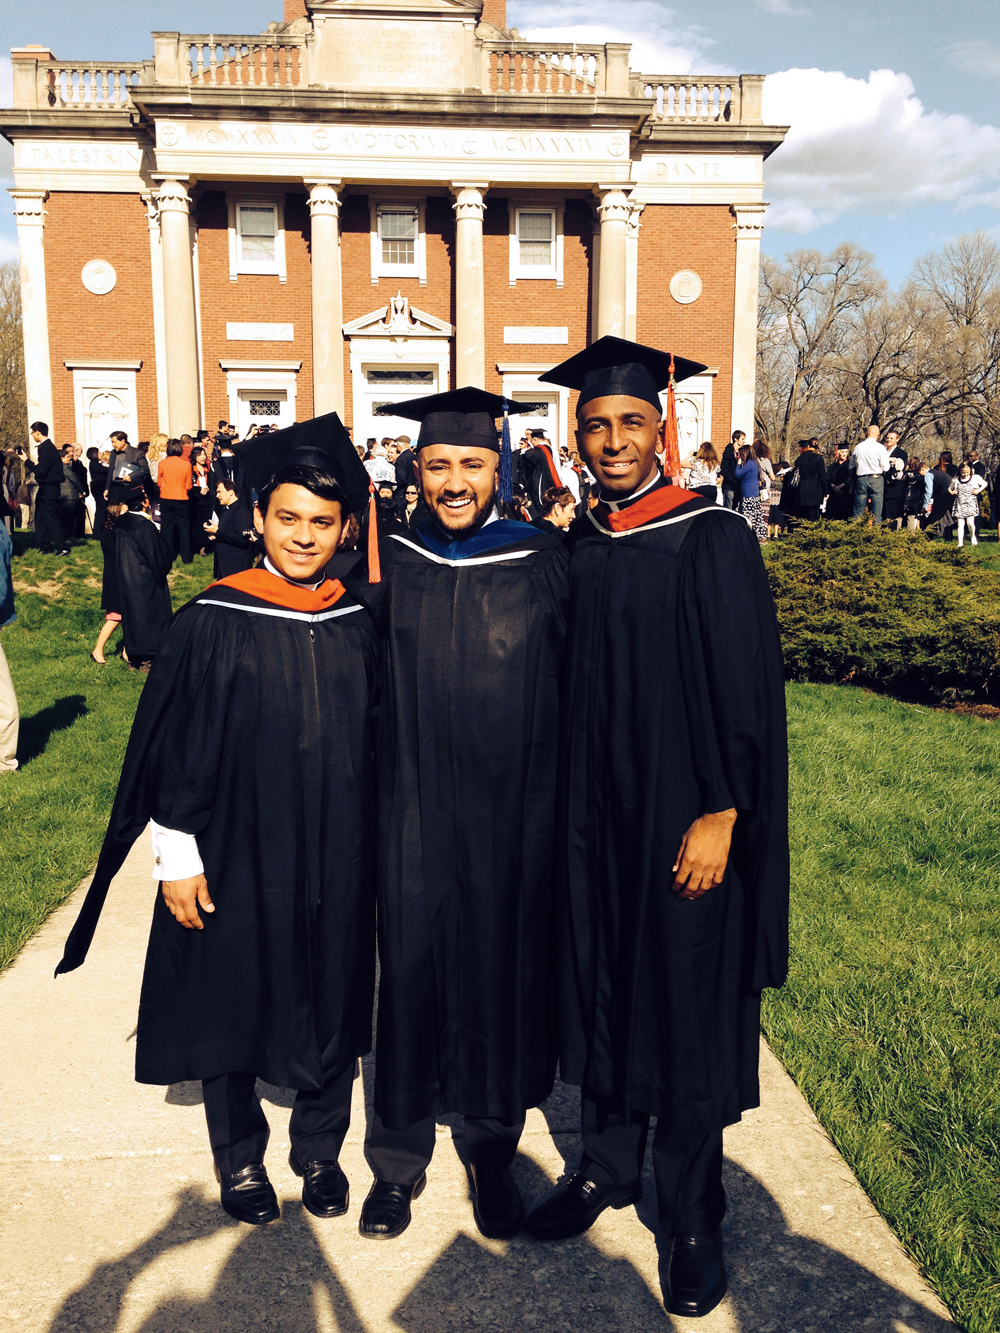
x=174, y=752
x=154, y=549
x=735, y=702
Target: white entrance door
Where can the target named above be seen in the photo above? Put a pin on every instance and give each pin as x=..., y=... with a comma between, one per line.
x=384, y=386
x=545, y=418
x=262, y=407
x=105, y=410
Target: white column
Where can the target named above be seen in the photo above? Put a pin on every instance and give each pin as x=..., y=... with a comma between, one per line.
x=613, y=211
x=179, y=321
x=327, y=298
x=632, y=269
x=748, y=226
x=159, y=335
x=470, y=292
x=29, y=213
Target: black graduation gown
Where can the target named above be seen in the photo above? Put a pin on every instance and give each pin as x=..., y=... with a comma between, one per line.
x=235, y=540
x=110, y=595
x=467, y=757
x=675, y=684
x=144, y=561
x=253, y=734
x=538, y=475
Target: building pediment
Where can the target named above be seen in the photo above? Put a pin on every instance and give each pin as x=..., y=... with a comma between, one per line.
x=398, y=319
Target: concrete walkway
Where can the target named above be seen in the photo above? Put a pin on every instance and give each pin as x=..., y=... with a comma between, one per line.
x=111, y=1220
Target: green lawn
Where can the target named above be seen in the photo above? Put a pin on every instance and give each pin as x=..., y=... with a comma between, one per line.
x=890, y=1022
x=75, y=720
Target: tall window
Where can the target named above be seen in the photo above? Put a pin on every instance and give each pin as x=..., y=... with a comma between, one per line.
x=535, y=236
x=258, y=232
x=535, y=244
x=397, y=229
x=256, y=238
x=397, y=242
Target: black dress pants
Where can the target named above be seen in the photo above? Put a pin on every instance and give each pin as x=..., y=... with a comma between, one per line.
x=48, y=528
x=687, y=1167
x=237, y=1126
x=403, y=1155
x=175, y=528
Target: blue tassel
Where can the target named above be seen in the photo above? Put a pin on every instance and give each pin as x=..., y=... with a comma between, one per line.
x=506, y=486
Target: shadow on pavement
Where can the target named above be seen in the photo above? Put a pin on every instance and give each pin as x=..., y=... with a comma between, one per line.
x=280, y=1277
x=35, y=731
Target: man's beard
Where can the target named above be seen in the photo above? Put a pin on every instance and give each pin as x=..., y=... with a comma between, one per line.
x=477, y=521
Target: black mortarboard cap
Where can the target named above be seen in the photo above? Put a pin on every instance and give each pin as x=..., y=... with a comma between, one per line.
x=322, y=442
x=613, y=366
x=461, y=416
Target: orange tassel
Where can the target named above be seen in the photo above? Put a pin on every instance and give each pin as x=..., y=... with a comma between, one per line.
x=374, y=567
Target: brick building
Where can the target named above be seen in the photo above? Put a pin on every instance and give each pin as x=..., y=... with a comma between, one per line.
x=374, y=199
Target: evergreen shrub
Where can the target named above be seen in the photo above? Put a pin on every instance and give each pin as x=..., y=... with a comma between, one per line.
x=887, y=610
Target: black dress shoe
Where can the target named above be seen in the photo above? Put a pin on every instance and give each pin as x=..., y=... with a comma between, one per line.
x=696, y=1275
x=385, y=1214
x=497, y=1206
x=248, y=1195
x=325, y=1191
x=575, y=1208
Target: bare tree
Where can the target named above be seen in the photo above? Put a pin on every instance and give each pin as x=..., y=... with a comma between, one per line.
x=13, y=399
x=837, y=351
x=810, y=307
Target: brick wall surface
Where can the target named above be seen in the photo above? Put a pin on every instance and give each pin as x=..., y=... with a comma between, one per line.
x=361, y=296
x=535, y=300
x=698, y=237
x=118, y=325
x=253, y=298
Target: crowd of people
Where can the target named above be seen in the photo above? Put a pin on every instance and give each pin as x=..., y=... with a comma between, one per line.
x=879, y=480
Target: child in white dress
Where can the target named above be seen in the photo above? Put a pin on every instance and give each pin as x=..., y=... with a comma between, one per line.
x=965, y=488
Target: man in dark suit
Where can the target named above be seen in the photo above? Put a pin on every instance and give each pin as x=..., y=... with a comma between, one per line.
x=404, y=462
x=49, y=477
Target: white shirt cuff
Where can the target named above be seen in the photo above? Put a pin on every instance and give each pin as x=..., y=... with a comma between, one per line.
x=175, y=854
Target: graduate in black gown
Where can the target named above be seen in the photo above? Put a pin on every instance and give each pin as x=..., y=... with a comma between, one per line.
x=676, y=914
x=251, y=758
x=471, y=608
x=143, y=561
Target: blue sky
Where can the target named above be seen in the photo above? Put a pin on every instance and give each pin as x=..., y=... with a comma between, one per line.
x=894, y=104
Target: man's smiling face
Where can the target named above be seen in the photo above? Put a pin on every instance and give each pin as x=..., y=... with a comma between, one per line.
x=618, y=437
x=458, y=484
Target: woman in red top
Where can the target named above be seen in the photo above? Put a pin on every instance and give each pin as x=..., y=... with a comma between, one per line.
x=174, y=479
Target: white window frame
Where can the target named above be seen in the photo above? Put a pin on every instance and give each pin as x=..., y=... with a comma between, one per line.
x=520, y=381
x=261, y=377
x=237, y=265
x=418, y=269
x=536, y=272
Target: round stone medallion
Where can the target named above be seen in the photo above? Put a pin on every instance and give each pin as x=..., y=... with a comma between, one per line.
x=685, y=286
x=98, y=277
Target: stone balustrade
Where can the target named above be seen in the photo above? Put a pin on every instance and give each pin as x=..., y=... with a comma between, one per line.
x=555, y=70
x=273, y=61
x=701, y=101
x=242, y=62
x=66, y=85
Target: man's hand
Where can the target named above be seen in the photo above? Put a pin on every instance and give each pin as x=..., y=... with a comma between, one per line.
x=211, y=528
x=184, y=897
x=704, y=852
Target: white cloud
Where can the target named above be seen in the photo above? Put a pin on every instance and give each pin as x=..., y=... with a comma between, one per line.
x=661, y=42
x=976, y=58
x=869, y=144
x=6, y=81
x=778, y=7
x=8, y=248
